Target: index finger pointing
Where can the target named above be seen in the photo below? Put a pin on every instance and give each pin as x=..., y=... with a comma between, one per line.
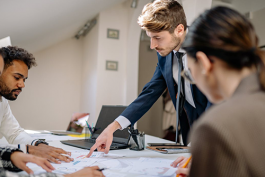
x=92, y=149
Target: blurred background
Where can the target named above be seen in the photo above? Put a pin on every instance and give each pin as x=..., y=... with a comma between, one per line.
x=72, y=42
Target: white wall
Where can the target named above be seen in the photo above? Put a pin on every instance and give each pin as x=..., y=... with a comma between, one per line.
x=132, y=58
x=147, y=65
x=89, y=73
x=259, y=25
x=101, y=86
x=71, y=76
x=111, y=84
x=52, y=91
x=193, y=8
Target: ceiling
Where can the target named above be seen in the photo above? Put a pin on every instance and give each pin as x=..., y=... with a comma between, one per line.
x=37, y=24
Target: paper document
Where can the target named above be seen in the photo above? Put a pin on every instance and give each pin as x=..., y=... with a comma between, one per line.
x=116, y=165
x=152, y=166
x=80, y=161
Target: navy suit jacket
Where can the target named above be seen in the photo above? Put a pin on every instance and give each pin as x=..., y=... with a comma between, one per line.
x=162, y=79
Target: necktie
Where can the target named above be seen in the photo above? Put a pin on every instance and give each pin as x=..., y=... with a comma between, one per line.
x=180, y=96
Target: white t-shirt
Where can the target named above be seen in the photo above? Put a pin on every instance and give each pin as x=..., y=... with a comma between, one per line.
x=9, y=126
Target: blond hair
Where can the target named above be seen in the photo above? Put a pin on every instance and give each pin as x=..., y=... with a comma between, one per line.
x=162, y=15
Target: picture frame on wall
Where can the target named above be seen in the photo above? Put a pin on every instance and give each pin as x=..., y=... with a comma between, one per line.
x=113, y=33
x=112, y=65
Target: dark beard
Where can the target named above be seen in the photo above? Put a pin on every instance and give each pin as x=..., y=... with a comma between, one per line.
x=6, y=92
x=175, y=43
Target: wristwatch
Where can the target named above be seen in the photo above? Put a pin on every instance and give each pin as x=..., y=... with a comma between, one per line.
x=40, y=142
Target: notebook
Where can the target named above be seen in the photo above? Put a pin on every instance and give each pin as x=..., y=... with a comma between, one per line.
x=169, y=149
x=107, y=115
x=74, y=127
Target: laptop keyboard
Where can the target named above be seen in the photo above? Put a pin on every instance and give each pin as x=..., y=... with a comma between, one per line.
x=94, y=141
x=91, y=140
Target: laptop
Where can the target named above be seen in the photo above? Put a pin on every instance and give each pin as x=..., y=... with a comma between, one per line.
x=74, y=127
x=107, y=115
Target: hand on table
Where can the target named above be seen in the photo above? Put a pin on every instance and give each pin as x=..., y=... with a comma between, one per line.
x=104, y=140
x=183, y=172
x=19, y=159
x=50, y=153
x=87, y=172
x=179, y=162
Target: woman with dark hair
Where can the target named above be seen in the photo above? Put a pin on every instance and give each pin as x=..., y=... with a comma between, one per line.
x=227, y=65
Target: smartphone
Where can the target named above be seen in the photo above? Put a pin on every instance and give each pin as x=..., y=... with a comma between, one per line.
x=165, y=144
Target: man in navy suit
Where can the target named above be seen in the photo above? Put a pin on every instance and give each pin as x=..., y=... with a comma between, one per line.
x=165, y=23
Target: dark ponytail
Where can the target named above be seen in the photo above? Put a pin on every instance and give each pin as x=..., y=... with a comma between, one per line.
x=228, y=35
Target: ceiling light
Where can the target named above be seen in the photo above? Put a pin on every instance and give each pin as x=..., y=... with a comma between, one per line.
x=86, y=28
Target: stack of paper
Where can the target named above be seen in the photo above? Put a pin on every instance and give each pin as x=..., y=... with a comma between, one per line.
x=115, y=165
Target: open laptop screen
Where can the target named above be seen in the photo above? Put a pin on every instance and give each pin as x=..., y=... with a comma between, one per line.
x=107, y=115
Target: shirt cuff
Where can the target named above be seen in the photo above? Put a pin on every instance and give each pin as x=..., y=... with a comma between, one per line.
x=34, y=142
x=23, y=148
x=123, y=121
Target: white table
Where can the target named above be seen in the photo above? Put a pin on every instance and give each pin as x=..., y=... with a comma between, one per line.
x=134, y=154
x=130, y=153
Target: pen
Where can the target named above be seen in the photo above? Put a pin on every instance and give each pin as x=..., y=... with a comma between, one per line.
x=101, y=169
x=185, y=165
x=88, y=126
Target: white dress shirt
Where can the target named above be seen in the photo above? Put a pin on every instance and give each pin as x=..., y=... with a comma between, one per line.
x=9, y=126
x=175, y=69
x=124, y=122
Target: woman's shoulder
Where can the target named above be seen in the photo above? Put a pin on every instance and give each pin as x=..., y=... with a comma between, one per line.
x=236, y=108
x=235, y=112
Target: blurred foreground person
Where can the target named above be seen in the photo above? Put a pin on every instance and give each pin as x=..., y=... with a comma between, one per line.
x=227, y=65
